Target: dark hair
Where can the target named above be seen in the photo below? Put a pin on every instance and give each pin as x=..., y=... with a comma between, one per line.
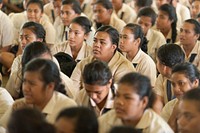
x=140, y=84
x=28, y=120
x=196, y=25
x=188, y=69
x=105, y=3
x=84, y=22
x=113, y=33
x=49, y=72
x=171, y=12
x=75, y=5
x=34, y=50
x=138, y=33
x=38, y=2
x=143, y=3
x=85, y=120
x=148, y=12
x=193, y=95
x=36, y=28
x=170, y=55
x=125, y=129
x=97, y=72
x=1, y=1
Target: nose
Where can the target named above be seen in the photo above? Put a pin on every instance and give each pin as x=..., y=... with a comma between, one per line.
x=93, y=96
x=23, y=42
x=181, y=122
x=25, y=87
x=71, y=35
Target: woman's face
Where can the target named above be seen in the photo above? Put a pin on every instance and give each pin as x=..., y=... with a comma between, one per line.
x=103, y=49
x=101, y=14
x=127, y=103
x=182, y=84
x=26, y=37
x=67, y=14
x=76, y=35
x=34, y=89
x=34, y=13
x=97, y=93
x=127, y=42
x=163, y=20
x=65, y=125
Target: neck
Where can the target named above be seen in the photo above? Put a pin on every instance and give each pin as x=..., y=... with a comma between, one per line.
x=75, y=50
x=133, y=122
x=165, y=31
x=188, y=48
x=131, y=55
x=102, y=103
x=41, y=106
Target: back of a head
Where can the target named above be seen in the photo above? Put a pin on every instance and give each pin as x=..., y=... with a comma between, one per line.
x=28, y=120
x=34, y=50
x=97, y=73
x=85, y=120
x=75, y=5
x=140, y=84
x=124, y=129
x=143, y=3
x=170, y=55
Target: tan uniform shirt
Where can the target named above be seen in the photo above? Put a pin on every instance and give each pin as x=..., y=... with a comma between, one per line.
x=168, y=109
x=195, y=50
x=155, y=40
x=149, y=123
x=115, y=22
x=127, y=14
x=118, y=65
x=83, y=99
x=6, y=101
x=145, y=65
x=6, y=30
x=19, y=19
x=161, y=88
x=57, y=103
x=84, y=52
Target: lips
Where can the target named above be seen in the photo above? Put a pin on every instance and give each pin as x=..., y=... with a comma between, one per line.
x=119, y=110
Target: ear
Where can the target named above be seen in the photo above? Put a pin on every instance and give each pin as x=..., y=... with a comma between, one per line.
x=144, y=102
x=110, y=11
x=51, y=86
x=109, y=83
x=40, y=40
x=113, y=47
x=197, y=36
x=86, y=36
x=138, y=40
x=195, y=83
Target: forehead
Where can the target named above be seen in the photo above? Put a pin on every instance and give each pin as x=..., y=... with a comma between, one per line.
x=98, y=6
x=125, y=89
x=94, y=88
x=102, y=35
x=32, y=75
x=191, y=106
x=33, y=5
x=145, y=19
x=126, y=30
x=163, y=13
x=26, y=31
x=75, y=26
x=178, y=76
x=188, y=26
x=67, y=7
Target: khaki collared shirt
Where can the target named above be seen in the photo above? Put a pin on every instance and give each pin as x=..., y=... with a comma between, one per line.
x=84, y=52
x=57, y=103
x=149, y=123
x=127, y=14
x=83, y=99
x=168, y=109
x=195, y=50
x=145, y=65
x=161, y=88
x=155, y=40
x=118, y=65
